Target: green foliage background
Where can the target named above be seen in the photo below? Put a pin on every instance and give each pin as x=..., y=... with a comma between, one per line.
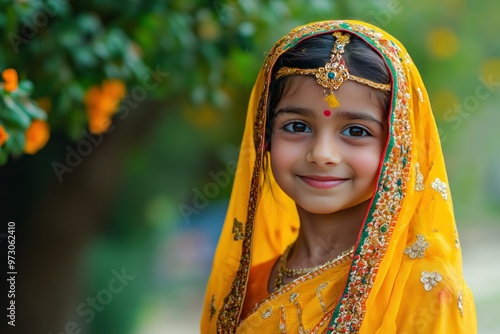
x=209, y=53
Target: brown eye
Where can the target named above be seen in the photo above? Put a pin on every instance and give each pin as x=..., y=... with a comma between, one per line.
x=355, y=131
x=297, y=127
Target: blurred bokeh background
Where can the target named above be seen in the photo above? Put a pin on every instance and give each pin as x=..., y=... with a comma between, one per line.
x=118, y=215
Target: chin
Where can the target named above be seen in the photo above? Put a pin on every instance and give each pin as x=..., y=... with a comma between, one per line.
x=320, y=209
x=326, y=208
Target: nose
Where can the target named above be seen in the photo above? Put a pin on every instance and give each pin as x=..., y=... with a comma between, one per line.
x=324, y=150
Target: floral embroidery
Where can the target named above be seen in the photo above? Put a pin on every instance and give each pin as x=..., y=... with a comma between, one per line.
x=460, y=303
x=430, y=279
x=238, y=230
x=419, y=184
x=212, y=307
x=441, y=187
x=418, y=248
x=267, y=313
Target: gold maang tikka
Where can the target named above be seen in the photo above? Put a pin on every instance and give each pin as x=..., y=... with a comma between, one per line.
x=334, y=73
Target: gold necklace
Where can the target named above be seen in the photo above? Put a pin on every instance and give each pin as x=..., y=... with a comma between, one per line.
x=294, y=273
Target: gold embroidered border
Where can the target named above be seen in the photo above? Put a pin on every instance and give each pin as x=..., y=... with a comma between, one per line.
x=377, y=230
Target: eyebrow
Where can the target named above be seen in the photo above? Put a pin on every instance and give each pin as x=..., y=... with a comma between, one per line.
x=352, y=115
x=295, y=110
x=340, y=114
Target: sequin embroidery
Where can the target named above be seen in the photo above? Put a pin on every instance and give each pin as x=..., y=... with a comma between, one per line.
x=441, y=187
x=420, y=95
x=418, y=248
x=267, y=313
x=213, y=310
x=419, y=183
x=320, y=296
x=282, y=320
x=460, y=303
x=430, y=279
x=237, y=230
x=293, y=299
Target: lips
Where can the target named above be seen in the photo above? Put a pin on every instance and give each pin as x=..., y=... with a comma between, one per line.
x=322, y=182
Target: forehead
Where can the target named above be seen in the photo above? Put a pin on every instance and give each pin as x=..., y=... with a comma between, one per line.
x=305, y=91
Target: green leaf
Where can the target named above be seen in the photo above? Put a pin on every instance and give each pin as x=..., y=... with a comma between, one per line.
x=24, y=89
x=34, y=111
x=14, y=113
x=16, y=142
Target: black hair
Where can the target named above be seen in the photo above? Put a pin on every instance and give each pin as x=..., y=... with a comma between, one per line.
x=360, y=59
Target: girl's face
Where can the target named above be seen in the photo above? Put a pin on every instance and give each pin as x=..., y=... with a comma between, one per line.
x=327, y=159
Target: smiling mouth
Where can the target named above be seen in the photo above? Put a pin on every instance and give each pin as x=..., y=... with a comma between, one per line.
x=322, y=182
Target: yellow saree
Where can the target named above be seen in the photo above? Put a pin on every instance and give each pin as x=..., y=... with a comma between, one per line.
x=405, y=275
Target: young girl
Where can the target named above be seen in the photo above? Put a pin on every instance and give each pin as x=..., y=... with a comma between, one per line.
x=340, y=219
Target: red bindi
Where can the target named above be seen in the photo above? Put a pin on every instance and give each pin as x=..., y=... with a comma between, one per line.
x=327, y=113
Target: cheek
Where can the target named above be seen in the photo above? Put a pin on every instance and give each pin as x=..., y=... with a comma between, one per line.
x=283, y=156
x=367, y=163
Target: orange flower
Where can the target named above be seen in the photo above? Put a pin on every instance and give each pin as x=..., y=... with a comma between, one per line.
x=4, y=136
x=114, y=88
x=102, y=103
x=37, y=136
x=10, y=79
x=99, y=124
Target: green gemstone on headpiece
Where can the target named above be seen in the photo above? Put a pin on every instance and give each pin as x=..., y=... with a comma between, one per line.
x=331, y=75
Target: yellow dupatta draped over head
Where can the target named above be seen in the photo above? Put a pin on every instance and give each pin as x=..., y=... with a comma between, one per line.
x=406, y=272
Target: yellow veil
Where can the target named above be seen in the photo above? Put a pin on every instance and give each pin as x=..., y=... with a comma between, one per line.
x=406, y=273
